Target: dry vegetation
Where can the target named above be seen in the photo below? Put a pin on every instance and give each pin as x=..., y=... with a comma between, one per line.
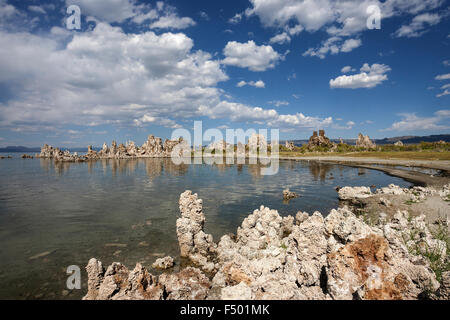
x=422, y=151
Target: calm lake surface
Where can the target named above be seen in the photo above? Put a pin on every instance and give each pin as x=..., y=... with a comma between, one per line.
x=53, y=216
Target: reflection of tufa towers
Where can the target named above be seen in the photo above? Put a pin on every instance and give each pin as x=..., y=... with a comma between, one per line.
x=319, y=170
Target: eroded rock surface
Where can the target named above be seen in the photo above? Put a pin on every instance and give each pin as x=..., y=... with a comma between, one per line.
x=288, y=195
x=257, y=142
x=365, y=142
x=319, y=140
x=289, y=145
x=194, y=243
x=163, y=263
x=306, y=257
x=118, y=283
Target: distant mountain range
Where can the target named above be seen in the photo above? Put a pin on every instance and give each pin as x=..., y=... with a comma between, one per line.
x=404, y=139
x=38, y=149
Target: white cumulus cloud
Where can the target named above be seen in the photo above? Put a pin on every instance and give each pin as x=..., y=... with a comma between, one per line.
x=256, y=84
x=250, y=55
x=369, y=77
x=443, y=76
x=410, y=122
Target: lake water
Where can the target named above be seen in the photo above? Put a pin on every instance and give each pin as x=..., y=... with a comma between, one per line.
x=53, y=216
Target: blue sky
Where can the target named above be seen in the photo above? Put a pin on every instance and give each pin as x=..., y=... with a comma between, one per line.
x=146, y=67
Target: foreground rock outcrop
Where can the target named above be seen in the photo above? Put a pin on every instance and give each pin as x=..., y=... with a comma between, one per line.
x=194, y=243
x=303, y=257
x=118, y=283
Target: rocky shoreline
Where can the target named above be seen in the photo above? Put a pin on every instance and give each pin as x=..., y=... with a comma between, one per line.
x=342, y=256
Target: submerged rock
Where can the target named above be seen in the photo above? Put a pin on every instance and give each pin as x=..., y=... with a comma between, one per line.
x=288, y=195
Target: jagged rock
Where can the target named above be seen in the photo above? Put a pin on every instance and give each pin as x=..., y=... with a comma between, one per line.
x=117, y=283
x=219, y=146
x=47, y=151
x=95, y=273
x=352, y=193
x=274, y=257
x=142, y=286
x=288, y=195
x=300, y=217
x=188, y=284
x=132, y=150
x=385, y=202
x=365, y=142
x=444, y=290
x=369, y=269
x=240, y=291
x=91, y=154
x=105, y=149
x=152, y=148
x=169, y=148
x=193, y=241
x=163, y=263
x=266, y=258
x=289, y=145
x=345, y=227
x=319, y=140
x=257, y=142
x=392, y=189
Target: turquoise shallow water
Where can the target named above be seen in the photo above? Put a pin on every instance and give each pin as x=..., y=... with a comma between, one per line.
x=125, y=210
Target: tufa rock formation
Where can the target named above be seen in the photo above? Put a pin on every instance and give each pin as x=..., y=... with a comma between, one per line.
x=288, y=195
x=152, y=148
x=219, y=146
x=365, y=142
x=118, y=283
x=163, y=263
x=289, y=145
x=194, y=243
x=398, y=144
x=307, y=257
x=257, y=142
x=319, y=140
